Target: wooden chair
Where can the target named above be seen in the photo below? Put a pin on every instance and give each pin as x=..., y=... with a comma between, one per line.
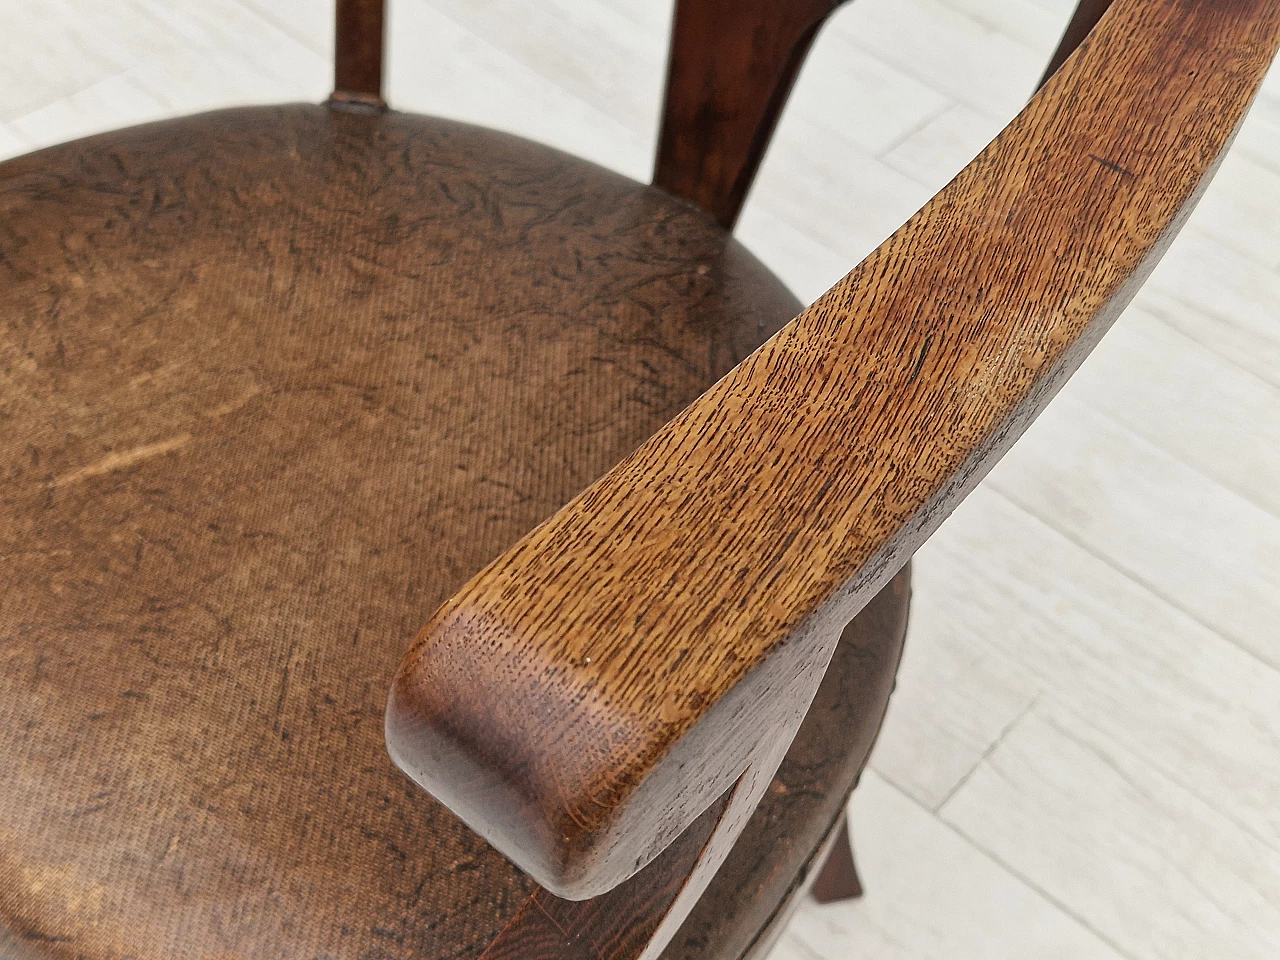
x=278, y=382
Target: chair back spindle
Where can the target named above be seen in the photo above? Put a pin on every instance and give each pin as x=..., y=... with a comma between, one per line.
x=731, y=66
x=358, y=52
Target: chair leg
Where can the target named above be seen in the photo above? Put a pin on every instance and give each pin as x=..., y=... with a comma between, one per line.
x=838, y=879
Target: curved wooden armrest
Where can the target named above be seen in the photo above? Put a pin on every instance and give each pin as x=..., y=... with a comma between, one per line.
x=587, y=695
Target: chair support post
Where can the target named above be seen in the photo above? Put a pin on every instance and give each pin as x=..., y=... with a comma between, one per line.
x=838, y=878
x=731, y=67
x=358, y=53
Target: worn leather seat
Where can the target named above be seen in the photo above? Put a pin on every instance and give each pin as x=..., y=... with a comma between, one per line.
x=274, y=383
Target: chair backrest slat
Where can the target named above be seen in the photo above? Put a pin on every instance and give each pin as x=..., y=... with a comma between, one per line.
x=731, y=66
x=357, y=51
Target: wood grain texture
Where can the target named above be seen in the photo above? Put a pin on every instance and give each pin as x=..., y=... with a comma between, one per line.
x=358, y=52
x=765, y=875
x=732, y=65
x=678, y=614
x=779, y=853
x=618, y=924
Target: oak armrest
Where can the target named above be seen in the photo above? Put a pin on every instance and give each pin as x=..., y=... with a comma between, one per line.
x=594, y=689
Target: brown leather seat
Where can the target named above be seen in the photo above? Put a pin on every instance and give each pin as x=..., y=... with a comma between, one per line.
x=273, y=384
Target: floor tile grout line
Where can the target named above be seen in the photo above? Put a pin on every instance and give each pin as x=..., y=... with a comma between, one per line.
x=797, y=938
x=264, y=13
x=1133, y=578
x=7, y=127
x=214, y=48
x=991, y=748
x=1158, y=446
x=1211, y=347
x=650, y=138
x=9, y=122
x=1012, y=871
x=1261, y=159
x=1189, y=789
x=1009, y=868
x=947, y=106
x=1244, y=252
x=987, y=28
x=1155, y=314
x=1113, y=766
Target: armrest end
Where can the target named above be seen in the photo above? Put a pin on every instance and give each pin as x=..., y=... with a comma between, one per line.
x=538, y=754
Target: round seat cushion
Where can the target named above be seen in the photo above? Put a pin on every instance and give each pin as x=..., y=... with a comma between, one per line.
x=274, y=383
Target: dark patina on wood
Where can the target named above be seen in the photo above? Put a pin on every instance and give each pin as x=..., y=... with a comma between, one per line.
x=359, y=38
x=732, y=65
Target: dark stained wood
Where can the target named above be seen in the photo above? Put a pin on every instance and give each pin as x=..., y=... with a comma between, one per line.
x=616, y=925
x=765, y=877
x=731, y=67
x=358, y=52
x=1085, y=18
x=588, y=695
x=774, y=858
x=838, y=879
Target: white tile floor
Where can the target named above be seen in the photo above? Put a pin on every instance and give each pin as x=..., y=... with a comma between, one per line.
x=1083, y=757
